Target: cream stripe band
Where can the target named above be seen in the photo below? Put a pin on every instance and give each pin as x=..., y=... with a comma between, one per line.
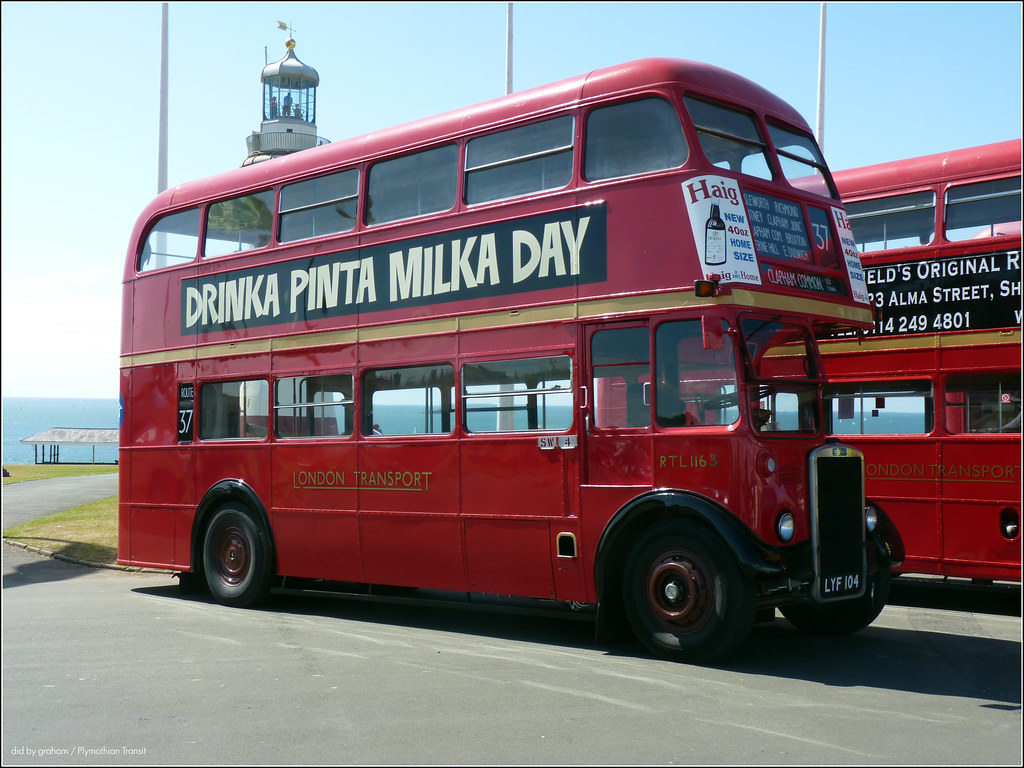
x=580, y=310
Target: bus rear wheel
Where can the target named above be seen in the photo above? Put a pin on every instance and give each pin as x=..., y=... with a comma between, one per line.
x=236, y=558
x=684, y=594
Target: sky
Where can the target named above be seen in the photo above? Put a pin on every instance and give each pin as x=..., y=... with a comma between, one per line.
x=80, y=110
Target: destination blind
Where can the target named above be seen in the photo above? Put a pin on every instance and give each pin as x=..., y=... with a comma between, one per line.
x=778, y=227
x=781, y=235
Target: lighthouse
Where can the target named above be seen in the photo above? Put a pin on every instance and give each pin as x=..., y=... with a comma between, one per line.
x=289, y=109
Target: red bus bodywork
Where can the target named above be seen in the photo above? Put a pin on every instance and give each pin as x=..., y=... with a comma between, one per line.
x=952, y=490
x=541, y=514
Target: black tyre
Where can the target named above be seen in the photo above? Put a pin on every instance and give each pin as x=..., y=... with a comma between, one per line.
x=845, y=616
x=236, y=557
x=684, y=594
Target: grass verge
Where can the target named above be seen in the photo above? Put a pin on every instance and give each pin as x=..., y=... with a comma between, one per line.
x=88, y=532
x=22, y=472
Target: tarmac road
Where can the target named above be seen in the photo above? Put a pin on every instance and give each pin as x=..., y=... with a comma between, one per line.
x=110, y=667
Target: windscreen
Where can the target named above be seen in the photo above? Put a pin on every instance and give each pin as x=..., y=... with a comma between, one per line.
x=782, y=363
x=801, y=162
x=779, y=349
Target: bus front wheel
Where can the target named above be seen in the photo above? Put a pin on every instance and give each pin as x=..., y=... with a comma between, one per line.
x=236, y=558
x=684, y=594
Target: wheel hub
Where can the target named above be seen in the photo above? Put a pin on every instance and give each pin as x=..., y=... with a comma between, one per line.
x=680, y=592
x=234, y=555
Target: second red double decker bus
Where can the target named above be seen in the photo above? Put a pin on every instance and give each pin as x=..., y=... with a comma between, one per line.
x=932, y=396
x=559, y=345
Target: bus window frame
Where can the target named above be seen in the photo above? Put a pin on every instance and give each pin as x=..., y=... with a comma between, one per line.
x=580, y=173
x=702, y=413
x=753, y=368
x=766, y=149
x=366, y=209
x=181, y=261
x=948, y=205
x=465, y=171
x=350, y=403
x=463, y=397
x=200, y=405
x=271, y=232
x=968, y=384
x=899, y=209
x=433, y=410
x=819, y=165
x=763, y=394
x=602, y=413
x=861, y=391
x=280, y=212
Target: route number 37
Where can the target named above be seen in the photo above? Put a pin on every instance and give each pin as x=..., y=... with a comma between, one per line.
x=186, y=407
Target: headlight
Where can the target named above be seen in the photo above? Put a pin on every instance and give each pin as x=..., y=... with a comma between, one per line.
x=785, y=527
x=870, y=518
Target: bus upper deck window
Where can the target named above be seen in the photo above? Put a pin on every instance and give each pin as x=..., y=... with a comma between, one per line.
x=985, y=209
x=172, y=240
x=412, y=185
x=518, y=161
x=321, y=206
x=896, y=221
x=801, y=162
x=239, y=224
x=633, y=137
x=730, y=138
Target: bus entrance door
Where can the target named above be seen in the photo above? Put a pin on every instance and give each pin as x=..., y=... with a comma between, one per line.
x=618, y=413
x=519, y=473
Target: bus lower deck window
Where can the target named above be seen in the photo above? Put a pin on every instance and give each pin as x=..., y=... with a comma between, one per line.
x=234, y=410
x=409, y=401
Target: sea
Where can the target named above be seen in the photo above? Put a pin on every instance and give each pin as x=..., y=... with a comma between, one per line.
x=25, y=417
x=28, y=416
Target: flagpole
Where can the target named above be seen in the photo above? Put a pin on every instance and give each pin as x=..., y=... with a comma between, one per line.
x=508, y=49
x=161, y=171
x=821, y=81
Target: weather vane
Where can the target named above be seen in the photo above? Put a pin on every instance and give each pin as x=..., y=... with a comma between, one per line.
x=288, y=28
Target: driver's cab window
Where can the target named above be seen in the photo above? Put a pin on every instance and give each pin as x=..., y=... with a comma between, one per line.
x=697, y=385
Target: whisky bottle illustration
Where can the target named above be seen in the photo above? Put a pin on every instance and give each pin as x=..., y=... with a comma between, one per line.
x=714, y=238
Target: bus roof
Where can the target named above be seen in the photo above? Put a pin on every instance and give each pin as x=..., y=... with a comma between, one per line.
x=956, y=165
x=601, y=83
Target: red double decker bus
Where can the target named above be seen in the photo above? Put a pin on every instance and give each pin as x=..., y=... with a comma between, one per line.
x=932, y=396
x=559, y=345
